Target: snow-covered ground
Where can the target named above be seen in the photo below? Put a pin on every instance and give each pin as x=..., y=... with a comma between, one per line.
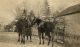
x=9, y=39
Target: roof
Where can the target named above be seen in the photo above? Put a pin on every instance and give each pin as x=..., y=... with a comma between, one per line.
x=70, y=10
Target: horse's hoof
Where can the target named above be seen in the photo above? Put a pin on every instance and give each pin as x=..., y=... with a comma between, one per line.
x=48, y=44
x=22, y=42
x=27, y=39
x=30, y=40
x=18, y=41
x=40, y=43
x=43, y=43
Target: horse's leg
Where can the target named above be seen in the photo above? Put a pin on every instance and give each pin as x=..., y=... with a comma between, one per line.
x=27, y=37
x=30, y=38
x=19, y=37
x=49, y=38
x=39, y=33
x=30, y=35
x=43, y=37
x=23, y=39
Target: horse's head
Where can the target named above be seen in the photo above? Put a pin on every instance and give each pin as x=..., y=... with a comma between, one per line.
x=37, y=21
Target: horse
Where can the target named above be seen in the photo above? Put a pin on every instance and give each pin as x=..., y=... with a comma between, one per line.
x=19, y=28
x=23, y=27
x=44, y=27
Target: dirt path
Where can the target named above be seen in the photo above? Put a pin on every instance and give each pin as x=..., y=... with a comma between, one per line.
x=9, y=39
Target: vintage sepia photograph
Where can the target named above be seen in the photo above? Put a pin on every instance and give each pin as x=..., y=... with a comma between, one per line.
x=39, y=23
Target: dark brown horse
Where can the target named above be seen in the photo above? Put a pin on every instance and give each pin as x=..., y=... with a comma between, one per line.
x=19, y=28
x=23, y=27
x=44, y=28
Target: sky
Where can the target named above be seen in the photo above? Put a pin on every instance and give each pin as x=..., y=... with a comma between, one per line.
x=8, y=7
